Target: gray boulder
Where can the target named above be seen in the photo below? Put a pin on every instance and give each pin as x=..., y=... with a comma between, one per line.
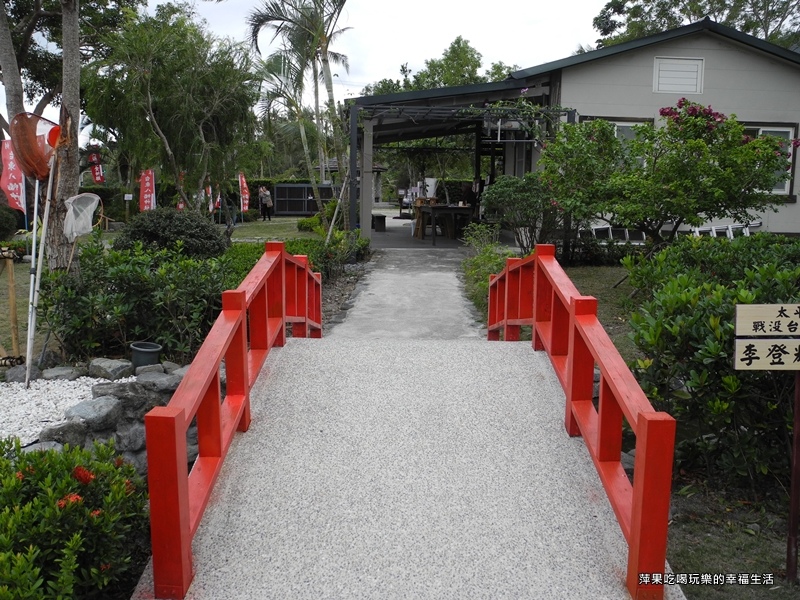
x=162, y=383
x=109, y=368
x=17, y=374
x=98, y=413
x=64, y=373
x=135, y=398
x=69, y=433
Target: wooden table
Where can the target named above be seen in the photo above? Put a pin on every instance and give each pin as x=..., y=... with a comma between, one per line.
x=450, y=211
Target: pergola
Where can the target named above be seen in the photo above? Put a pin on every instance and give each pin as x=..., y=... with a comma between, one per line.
x=490, y=112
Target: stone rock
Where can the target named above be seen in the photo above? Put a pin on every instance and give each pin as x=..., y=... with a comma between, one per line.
x=627, y=461
x=149, y=369
x=64, y=373
x=97, y=436
x=162, y=383
x=17, y=374
x=170, y=367
x=180, y=371
x=69, y=433
x=135, y=398
x=109, y=368
x=138, y=460
x=43, y=447
x=98, y=413
x=130, y=437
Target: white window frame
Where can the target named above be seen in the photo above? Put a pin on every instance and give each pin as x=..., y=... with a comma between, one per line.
x=783, y=188
x=681, y=85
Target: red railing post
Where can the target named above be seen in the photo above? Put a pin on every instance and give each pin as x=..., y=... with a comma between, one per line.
x=300, y=292
x=276, y=298
x=580, y=364
x=167, y=475
x=315, y=302
x=652, y=485
x=542, y=293
x=493, y=335
x=511, y=301
x=236, y=375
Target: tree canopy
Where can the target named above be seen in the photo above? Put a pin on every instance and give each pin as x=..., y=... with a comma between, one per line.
x=173, y=94
x=699, y=166
x=773, y=20
x=459, y=65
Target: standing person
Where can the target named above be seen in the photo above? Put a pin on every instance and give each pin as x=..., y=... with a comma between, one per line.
x=269, y=204
x=262, y=202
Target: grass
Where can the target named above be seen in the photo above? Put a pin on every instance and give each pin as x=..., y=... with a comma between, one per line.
x=280, y=228
x=712, y=531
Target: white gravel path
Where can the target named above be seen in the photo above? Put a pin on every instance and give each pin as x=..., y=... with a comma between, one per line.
x=25, y=412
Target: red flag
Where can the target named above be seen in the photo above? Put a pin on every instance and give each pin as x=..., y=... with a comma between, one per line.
x=244, y=193
x=94, y=158
x=147, y=191
x=12, y=180
x=97, y=174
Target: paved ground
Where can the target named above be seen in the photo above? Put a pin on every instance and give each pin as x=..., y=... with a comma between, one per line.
x=403, y=456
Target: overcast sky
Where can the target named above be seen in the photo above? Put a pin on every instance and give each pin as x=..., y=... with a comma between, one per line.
x=384, y=35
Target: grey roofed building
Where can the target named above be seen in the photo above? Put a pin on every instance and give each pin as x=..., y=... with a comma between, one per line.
x=626, y=83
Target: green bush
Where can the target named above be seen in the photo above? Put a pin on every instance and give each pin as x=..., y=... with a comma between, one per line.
x=734, y=424
x=487, y=259
x=308, y=223
x=163, y=228
x=73, y=523
x=121, y=296
x=8, y=222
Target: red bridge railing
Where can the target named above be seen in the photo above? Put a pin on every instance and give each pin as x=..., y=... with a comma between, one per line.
x=280, y=290
x=535, y=291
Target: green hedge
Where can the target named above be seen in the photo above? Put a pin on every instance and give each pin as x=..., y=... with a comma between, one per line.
x=736, y=425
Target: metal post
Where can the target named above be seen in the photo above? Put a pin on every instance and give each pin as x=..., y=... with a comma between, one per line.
x=354, y=166
x=794, y=496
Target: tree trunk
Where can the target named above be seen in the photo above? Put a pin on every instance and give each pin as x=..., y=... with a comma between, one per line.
x=68, y=172
x=337, y=134
x=12, y=80
x=311, y=176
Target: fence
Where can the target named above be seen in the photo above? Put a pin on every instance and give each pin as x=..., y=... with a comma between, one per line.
x=535, y=291
x=279, y=290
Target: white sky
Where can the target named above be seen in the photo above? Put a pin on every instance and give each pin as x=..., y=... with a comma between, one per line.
x=385, y=35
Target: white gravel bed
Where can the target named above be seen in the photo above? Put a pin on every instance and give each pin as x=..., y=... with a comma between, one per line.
x=25, y=412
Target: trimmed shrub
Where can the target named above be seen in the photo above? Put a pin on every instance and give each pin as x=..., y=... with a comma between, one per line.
x=121, y=296
x=487, y=259
x=74, y=523
x=309, y=223
x=734, y=424
x=163, y=228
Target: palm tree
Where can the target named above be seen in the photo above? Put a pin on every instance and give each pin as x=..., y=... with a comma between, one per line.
x=308, y=28
x=283, y=80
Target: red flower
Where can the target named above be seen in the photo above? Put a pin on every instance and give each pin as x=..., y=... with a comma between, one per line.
x=69, y=499
x=82, y=474
x=96, y=512
x=105, y=567
x=19, y=475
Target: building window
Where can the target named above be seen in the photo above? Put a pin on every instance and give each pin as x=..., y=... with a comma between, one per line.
x=786, y=133
x=678, y=75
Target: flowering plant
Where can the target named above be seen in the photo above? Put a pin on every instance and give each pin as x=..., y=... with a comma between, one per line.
x=71, y=522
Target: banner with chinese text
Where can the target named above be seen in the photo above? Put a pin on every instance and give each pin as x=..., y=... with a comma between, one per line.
x=147, y=191
x=244, y=193
x=12, y=179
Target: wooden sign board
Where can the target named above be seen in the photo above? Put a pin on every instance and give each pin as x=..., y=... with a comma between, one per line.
x=768, y=320
x=759, y=354
x=767, y=337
